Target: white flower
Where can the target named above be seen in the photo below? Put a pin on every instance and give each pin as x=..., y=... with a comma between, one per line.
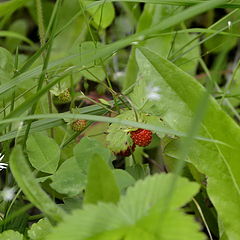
x=2, y=165
x=118, y=75
x=153, y=92
x=229, y=25
x=8, y=193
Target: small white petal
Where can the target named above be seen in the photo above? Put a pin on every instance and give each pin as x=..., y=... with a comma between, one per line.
x=229, y=25
x=153, y=92
x=135, y=43
x=8, y=193
x=154, y=96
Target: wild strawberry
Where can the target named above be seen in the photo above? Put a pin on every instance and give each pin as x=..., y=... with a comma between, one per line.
x=141, y=137
x=61, y=96
x=127, y=152
x=78, y=125
x=64, y=97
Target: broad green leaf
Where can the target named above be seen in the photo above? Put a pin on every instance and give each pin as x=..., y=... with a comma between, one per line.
x=73, y=203
x=43, y=152
x=101, y=183
x=6, y=62
x=88, y=50
x=11, y=235
x=67, y=42
x=117, y=234
x=102, y=15
x=137, y=171
x=86, y=149
x=29, y=185
x=123, y=179
x=118, y=137
x=180, y=94
x=69, y=178
x=109, y=220
x=141, y=197
x=40, y=230
x=170, y=226
x=89, y=221
x=20, y=28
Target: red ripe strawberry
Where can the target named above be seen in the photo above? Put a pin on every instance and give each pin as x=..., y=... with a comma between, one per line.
x=141, y=137
x=127, y=152
x=78, y=125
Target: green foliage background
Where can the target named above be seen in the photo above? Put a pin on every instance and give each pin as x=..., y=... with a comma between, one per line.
x=169, y=66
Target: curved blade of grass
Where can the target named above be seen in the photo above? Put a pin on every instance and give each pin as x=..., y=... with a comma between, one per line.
x=31, y=101
x=110, y=120
x=10, y=6
x=232, y=4
x=46, y=124
x=180, y=2
x=31, y=188
x=113, y=47
x=15, y=35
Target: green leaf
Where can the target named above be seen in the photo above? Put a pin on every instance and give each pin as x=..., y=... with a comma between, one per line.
x=40, y=230
x=153, y=191
x=88, y=50
x=11, y=235
x=6, y=62
x=117, y=234
x=179, y=97
x=118, y=139
x=123, y=179
x=69, y=178
x=171, y=226
x=73, y=203
x=129, y=216
x=137, y=171
x=43, y=152
x=101, y=183
x=19, y=27
x=26, y=181
x=102, y=15
x=86, y=149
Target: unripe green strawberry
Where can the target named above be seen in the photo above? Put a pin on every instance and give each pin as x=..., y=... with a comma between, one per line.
x=141, y=137
x=61, y=97
x=78, y=125
x=64, y=97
